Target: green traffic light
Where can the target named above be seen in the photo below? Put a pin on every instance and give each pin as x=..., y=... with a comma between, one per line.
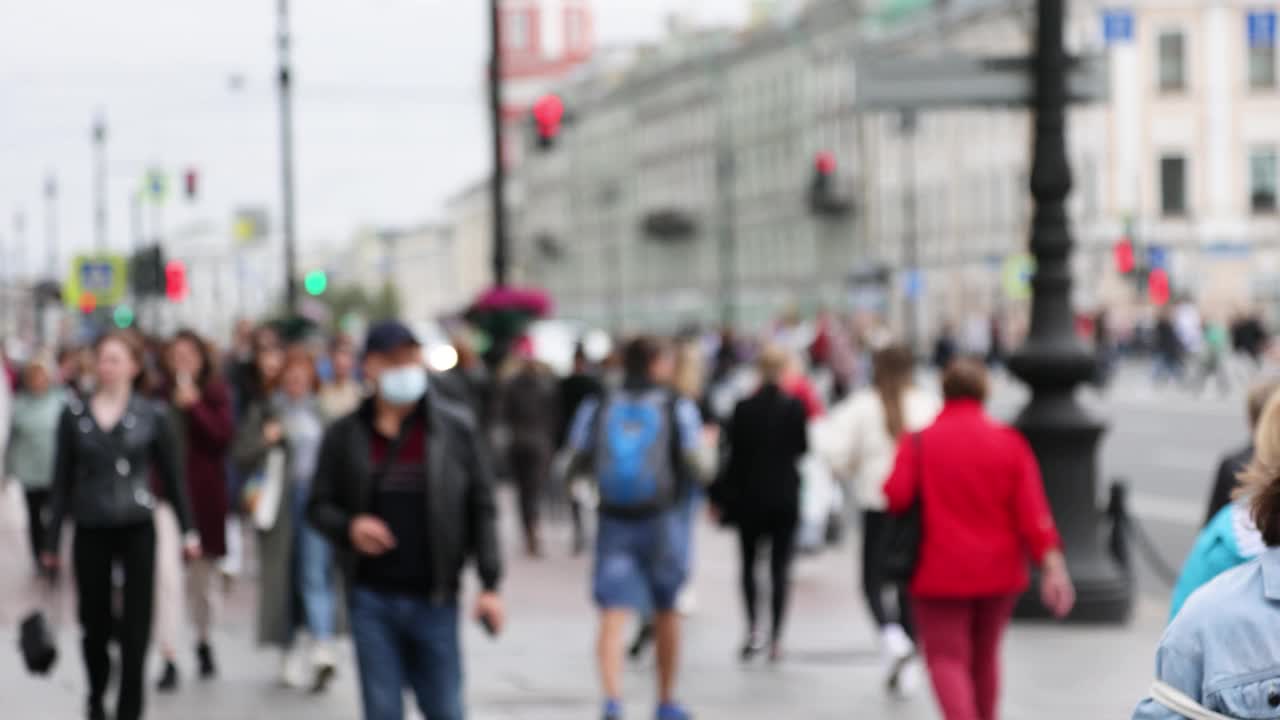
x=123, y=316
x=316, y=282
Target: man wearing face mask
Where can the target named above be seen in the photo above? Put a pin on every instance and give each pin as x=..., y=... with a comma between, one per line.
x=403, y=490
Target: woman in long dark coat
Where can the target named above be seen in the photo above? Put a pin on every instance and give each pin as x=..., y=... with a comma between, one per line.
x=201, y=406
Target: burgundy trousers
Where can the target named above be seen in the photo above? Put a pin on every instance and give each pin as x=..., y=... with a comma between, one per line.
x=961, y=641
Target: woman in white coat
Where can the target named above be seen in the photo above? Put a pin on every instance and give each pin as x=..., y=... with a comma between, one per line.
x=859, y=441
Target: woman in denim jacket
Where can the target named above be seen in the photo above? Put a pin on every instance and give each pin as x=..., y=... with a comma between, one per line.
x=1222, y=650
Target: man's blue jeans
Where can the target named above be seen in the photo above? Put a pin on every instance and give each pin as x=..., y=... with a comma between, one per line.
x=402, y=640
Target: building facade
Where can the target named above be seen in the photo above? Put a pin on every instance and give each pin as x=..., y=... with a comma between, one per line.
x=719, y=130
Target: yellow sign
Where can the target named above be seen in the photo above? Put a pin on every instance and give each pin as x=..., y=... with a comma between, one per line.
x=1016, y=275
x=105, y=277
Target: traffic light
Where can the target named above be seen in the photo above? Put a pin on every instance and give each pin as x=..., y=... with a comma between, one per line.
x=123, y=317
x=823, y=199
x=88, y=303
x=175, y=280
x=191, y=183
x=1158, y=287
x=1124, y=256
x=548, y=113
x=147, y=272
x=316, y=282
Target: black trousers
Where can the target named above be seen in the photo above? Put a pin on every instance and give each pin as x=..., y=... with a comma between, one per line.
x=530, y=465
x=96, y=552
x=37, y=501
x=781, y=536
x=873, y=582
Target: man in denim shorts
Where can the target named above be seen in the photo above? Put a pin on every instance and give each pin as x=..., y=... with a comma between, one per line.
x=640, y=443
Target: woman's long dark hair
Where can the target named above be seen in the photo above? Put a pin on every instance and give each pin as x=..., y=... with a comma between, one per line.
x=894, y=367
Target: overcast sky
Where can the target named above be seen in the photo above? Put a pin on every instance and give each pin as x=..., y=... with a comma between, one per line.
x=390, y=117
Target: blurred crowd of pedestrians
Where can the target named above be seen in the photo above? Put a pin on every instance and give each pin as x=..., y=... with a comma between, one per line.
x=352, y=486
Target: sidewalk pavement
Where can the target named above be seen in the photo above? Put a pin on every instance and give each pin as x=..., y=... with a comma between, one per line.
x=543, y=668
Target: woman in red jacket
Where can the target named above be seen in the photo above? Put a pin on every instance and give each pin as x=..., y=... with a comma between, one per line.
x=985, y=518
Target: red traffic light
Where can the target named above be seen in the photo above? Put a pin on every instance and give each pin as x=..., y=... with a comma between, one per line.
x=191, y=182
x=548, y=112
x=175, y=280
x=825, y=163
x=88, y=303
x=1123, y=252
x=1158, y=286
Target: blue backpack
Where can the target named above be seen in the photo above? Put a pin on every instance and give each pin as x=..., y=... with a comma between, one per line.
x=637, y=453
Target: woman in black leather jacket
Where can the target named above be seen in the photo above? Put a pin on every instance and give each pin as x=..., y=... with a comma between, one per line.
x=108, y=447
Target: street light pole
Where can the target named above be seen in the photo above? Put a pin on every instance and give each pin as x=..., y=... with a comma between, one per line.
x=910, y=232
x=100, y=180
x=1053, y=361
x=51, y=225
x=501, y=259
x=286, y=160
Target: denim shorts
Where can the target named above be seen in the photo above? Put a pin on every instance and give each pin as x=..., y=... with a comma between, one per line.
x=640, y=563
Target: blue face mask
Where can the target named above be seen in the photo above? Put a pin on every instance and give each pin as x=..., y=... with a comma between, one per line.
x=403, y=385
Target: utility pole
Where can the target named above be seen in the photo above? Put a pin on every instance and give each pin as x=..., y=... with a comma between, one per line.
x=286, y=160
x=912, y=280
x=501, y=259
x=137, y=236
x=726, y=200
x=100, y=180
x=51, y=226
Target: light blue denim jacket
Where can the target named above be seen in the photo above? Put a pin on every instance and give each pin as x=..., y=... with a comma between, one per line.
x=1223, y=649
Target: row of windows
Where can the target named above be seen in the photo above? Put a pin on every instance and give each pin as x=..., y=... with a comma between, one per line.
x=1171, y=63
x=1261, y=187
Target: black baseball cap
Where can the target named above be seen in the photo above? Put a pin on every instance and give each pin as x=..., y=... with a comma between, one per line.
x=389, y=336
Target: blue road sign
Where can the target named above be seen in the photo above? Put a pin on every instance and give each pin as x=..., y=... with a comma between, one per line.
x=913, y=283
x=1157, y=257
x=1260, y=25
x=1117, y=25
x=96, y=277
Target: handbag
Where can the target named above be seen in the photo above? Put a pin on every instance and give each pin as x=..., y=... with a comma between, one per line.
x=1179, y=702
x=271, y=491
x=903, y=534
x=37, y=642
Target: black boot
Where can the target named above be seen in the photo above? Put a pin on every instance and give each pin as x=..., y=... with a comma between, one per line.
x=96, y=710
x=169, y=679
x=204, y=655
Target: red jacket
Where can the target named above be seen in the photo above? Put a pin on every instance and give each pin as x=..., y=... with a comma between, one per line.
x=985, y=512
x=797, y=385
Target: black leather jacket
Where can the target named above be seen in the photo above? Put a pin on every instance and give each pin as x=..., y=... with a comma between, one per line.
x=102, y=478
x=461, y=511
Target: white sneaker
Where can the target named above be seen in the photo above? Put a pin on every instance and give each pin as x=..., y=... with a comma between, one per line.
x=324, y=666
x=293, y=673
x=896, y=649
x=910, y=678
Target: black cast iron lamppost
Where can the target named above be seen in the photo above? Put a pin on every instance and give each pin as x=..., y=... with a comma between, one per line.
x=1053, y=361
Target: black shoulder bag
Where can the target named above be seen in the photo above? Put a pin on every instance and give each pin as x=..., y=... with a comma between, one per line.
x=903, y=534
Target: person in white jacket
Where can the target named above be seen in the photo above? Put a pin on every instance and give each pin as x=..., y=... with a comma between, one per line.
x=859, y=441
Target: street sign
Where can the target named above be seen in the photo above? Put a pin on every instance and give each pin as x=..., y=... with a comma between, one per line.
x=913, y=284
x=157, y=186
x=250, y=225
x=1157, y=257
x=948, y=81
x=1117, y=26
x=1260, y=25
x=1016, y=276
x=102, y=277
